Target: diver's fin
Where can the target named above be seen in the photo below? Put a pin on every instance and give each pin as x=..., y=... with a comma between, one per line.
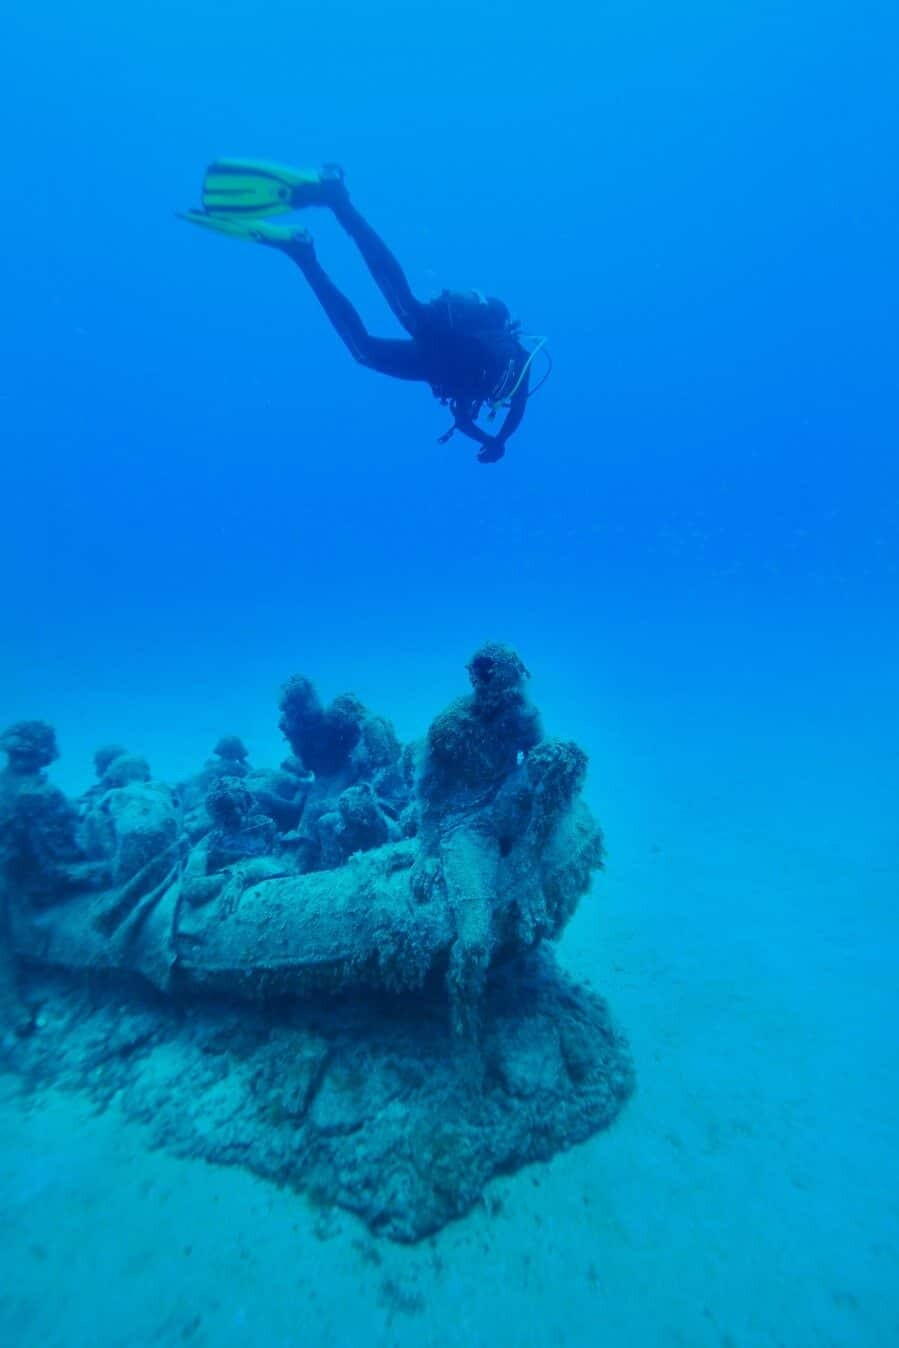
x=222, y=224
x=253, y=231
x=254, y=189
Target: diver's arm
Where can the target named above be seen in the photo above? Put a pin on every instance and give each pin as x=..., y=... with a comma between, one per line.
x=493, y=447
x=466, y=423
x=516, y=408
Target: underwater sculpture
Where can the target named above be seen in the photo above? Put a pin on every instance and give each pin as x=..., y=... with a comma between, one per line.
x=380, y=910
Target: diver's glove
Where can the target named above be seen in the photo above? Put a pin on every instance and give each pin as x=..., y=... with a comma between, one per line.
x=492, y=451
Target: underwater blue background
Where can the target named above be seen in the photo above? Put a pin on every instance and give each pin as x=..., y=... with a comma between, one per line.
x=693, y=537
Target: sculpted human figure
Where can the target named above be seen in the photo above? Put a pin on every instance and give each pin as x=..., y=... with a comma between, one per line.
x=356, y=864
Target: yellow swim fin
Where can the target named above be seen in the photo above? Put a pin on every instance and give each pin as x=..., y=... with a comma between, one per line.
x=253, y=231
x=254, y=189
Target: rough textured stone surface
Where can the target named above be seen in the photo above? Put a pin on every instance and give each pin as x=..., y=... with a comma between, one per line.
x=396, y=1030
x=382, y=1111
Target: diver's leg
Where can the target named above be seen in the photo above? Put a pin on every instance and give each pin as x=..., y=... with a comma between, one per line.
x=386, y=271
x=402, y=359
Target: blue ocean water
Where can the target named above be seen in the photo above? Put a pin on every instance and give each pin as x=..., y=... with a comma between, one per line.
x=692, y=541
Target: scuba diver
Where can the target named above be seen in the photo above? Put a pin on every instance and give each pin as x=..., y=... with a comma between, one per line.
x=466, y=347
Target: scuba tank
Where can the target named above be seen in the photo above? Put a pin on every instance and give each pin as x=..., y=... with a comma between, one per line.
x=470, y=313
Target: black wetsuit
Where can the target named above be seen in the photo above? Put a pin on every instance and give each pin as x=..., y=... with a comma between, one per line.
x=463, y=346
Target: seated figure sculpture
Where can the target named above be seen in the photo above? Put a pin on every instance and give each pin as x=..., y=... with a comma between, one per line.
x=360, y=870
